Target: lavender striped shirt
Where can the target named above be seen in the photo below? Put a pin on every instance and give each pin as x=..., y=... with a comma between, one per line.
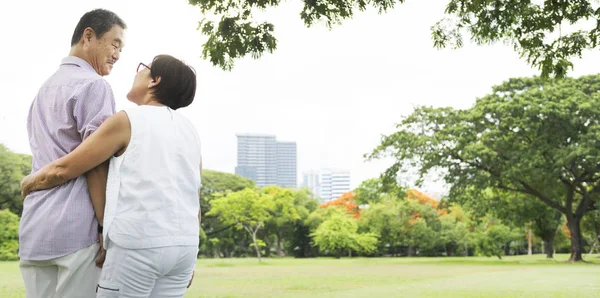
x=69, y=106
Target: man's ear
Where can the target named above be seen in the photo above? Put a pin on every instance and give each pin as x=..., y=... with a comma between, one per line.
x=88, y=34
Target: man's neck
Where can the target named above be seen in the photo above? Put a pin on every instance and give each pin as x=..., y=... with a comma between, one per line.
x=77, y=52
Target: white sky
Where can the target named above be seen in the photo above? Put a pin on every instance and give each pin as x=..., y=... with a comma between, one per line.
x=334, y=92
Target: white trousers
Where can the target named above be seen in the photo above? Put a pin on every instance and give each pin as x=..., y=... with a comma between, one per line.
x=72, y=276
x=155, y=272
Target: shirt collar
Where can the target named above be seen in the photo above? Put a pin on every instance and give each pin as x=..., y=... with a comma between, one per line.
x=72, y=60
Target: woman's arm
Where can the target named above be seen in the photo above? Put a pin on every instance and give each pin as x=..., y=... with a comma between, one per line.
x=96, y=180
x=111, y=137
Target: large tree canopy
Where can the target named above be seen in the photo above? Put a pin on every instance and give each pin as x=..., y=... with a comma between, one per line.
x=534, y=28
x=532, y=136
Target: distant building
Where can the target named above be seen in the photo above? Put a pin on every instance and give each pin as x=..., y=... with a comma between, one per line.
x=336, y=183
x=327, y=184
x=310, y=180
x=266, y=161
x=287, y=165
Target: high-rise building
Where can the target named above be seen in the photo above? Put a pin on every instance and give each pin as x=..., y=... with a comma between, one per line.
x=327, y=184
x=257, y=158
x=335, y=183
x=311, y=180
x=286, y=165
x=266, y=161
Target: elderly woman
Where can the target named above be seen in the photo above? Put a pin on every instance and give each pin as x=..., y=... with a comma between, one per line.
x=151, y=220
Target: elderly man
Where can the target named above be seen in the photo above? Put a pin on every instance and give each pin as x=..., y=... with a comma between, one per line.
x=58, y=232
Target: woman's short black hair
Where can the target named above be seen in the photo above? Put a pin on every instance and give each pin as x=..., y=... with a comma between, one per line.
x=100, y=20
x=177, y=86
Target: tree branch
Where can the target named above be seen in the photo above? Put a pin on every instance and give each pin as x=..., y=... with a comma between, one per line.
x=584, y=206
x=527, y=188
x=221, y=230
x=532, y=191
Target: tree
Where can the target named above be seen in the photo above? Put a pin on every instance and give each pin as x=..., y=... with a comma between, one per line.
x=591, y=229
x=216, y=184
x=532, y=136
x=423, y=199
x=13, y=167
x=412, y=223
x=455, y=232
x=346, y=201
x=247, y=209
x=283, y=213
x=528, y=25
x=375, y=190
x=9, y=236
x=339, y=232
x=421, y=237
x=517, y=209
x=388, y=219
x=423, y=226
x=545, y=225
x=298, y=235
x=493, y=239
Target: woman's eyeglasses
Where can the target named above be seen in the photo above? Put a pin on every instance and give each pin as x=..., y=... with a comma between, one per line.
x=141, y=67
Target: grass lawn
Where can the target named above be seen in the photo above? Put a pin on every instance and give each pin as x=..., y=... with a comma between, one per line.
x=520, y=276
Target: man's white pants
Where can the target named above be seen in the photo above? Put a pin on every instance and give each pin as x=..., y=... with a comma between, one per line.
x=155, y=272
x=72, y=276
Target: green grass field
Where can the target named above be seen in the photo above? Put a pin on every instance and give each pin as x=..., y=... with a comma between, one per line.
x=520, y=276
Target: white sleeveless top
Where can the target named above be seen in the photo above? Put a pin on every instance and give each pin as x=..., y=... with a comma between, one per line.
x=152, y=188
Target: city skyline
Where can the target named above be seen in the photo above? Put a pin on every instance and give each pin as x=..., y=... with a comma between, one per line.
x=268, y=161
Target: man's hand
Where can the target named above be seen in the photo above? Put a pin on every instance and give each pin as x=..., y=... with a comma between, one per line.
x=192, y=279
x=26, y=186
x=101, y=252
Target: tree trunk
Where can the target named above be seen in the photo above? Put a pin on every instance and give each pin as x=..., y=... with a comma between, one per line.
x=543, y=246
x=253, y=233
x=529, y=242
x=279, y=250
x=339, y=253
x=350, y=253
x=576, y=241
x=499, y=257
x=256, y=247
x=507, y=249
x=549, y=248
x=548, y=234
x=593, y=247
x=410, y=251
x=548, y=244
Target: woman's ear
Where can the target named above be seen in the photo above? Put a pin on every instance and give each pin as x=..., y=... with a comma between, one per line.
x=154, y=82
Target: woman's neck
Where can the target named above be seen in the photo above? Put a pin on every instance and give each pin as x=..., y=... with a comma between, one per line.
x=154, y=103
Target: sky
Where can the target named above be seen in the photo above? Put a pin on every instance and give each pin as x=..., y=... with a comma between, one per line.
x=334, y=92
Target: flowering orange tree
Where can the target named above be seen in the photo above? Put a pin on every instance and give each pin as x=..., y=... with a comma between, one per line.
x=347, y=201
